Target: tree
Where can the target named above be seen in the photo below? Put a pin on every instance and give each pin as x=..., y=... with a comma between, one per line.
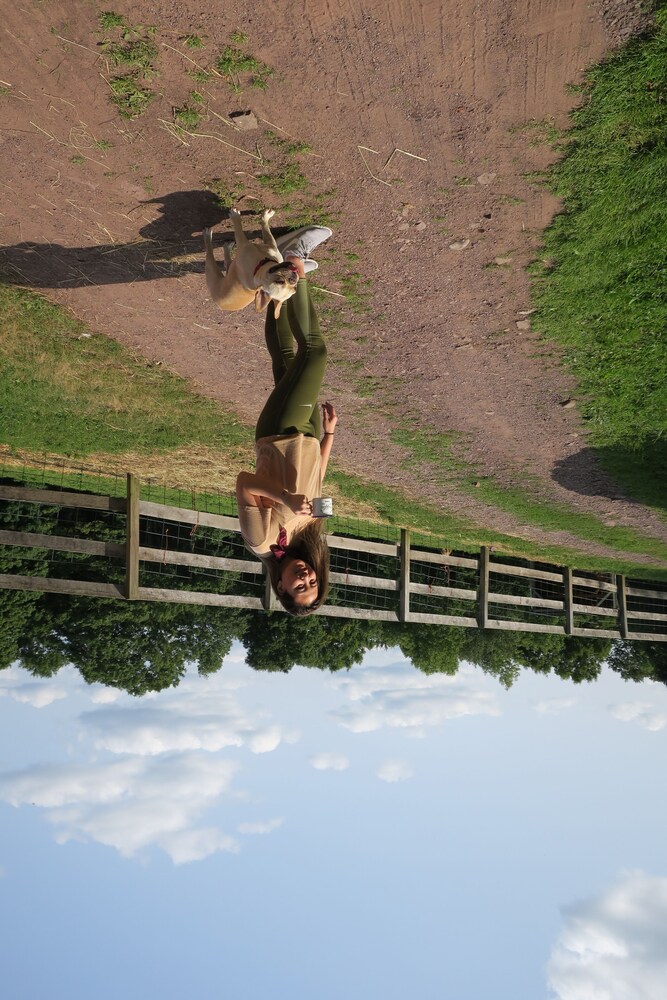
x=137, y=646
x=18, y=607
x=431, y=648
x=638, y=661
x=277, y=642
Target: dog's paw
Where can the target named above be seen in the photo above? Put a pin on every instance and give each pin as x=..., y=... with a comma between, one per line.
x=208, y=237
x=267, y=214
x=234, y=213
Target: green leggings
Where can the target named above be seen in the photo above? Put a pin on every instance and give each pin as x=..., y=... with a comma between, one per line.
x=292, y=407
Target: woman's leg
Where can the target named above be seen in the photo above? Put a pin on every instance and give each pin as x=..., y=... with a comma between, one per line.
x=292, y=406
x=279, y=342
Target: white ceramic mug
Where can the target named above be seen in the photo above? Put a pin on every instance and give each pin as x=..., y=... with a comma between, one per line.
x=322, y=506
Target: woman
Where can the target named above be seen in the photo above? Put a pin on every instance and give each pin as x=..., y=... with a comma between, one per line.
x=274, y=502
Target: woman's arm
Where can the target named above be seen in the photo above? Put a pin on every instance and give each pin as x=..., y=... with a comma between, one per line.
x=250, y=486
x=329, y=421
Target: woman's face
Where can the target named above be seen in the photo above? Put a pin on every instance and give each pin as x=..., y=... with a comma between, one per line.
x=298, y=580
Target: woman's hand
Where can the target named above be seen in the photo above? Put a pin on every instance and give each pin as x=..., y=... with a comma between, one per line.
x=298, y=503
x=329, y=418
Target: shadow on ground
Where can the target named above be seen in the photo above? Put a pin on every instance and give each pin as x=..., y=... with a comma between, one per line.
x=167, y=247
x=617, y=473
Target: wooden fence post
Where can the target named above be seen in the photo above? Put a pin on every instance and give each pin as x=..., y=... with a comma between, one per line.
x=404, y=570
x=622, y=606
x=568, y=600
x=269, y=599
x=132, y=538
x=483, y=589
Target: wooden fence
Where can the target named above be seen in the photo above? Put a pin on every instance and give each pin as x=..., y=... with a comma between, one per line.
x=558, y=596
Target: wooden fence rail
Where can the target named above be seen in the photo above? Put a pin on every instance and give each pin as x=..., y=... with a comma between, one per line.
x=572, y=594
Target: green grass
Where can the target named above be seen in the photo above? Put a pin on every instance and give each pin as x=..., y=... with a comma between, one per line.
x=64, y=391
x=600, y=286
x=201, y=75
x=108, y=20
x=288, y=147
x=461, y=533
x=134, y=52
x=193, y=41
x=356, y=290
x=311, y=208
x=439, y=451
x=236, y=65
x=541, y=133
x=129, y=97
x=284, y=178
x=284, y=175
x=137, y=55
x=368, y=386
x=187, y=117
x=226, y=194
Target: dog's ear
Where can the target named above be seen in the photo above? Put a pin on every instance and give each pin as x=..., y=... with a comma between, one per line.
x=277, y=306
x=262, y=299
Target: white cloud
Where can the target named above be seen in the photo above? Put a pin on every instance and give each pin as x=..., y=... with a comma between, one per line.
x=39, y=692
x=198, y=716
x=39, y=695
x=194, y=845
x=394, y=770
x=403, y=698
x=260, y=828
x=101, y=695
x=53, y=785
x=330, y=762
x=552, y=706
x=270, y=738
x=614, y=947
x=641, y=712
x=148, y=772
x=131, y=804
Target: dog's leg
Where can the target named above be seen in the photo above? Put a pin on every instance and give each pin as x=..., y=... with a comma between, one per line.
x=239, y=235
x=267, y=235
x=227, y=251
x=214, y=276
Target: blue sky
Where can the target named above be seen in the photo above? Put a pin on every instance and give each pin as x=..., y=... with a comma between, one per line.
x=373, y=833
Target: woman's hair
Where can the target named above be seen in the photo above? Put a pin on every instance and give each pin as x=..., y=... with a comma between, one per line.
x=308, y=543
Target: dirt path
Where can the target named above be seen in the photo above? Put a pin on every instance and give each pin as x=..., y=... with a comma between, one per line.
x=105, y=215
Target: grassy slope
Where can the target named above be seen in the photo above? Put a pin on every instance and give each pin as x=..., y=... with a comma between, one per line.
x=601, y=286
x=67, y=391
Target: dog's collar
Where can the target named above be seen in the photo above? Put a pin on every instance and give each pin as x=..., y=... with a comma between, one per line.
x=265, y=260
x=269, y=260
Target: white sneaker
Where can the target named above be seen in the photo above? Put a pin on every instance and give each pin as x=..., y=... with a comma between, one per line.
x=302, y=242
x=310, y=265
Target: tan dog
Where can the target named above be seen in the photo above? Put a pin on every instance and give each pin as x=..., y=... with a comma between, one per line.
x=257, y=271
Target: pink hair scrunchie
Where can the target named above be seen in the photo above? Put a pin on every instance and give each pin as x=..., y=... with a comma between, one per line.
x=280, y=549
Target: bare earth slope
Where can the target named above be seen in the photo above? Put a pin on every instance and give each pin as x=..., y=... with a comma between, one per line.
x=105, y=215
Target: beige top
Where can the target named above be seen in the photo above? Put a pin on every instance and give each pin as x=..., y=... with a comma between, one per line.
x=292, y=463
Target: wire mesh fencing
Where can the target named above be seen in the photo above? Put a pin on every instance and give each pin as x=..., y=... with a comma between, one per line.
x=191, y=549
x=646, y=608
